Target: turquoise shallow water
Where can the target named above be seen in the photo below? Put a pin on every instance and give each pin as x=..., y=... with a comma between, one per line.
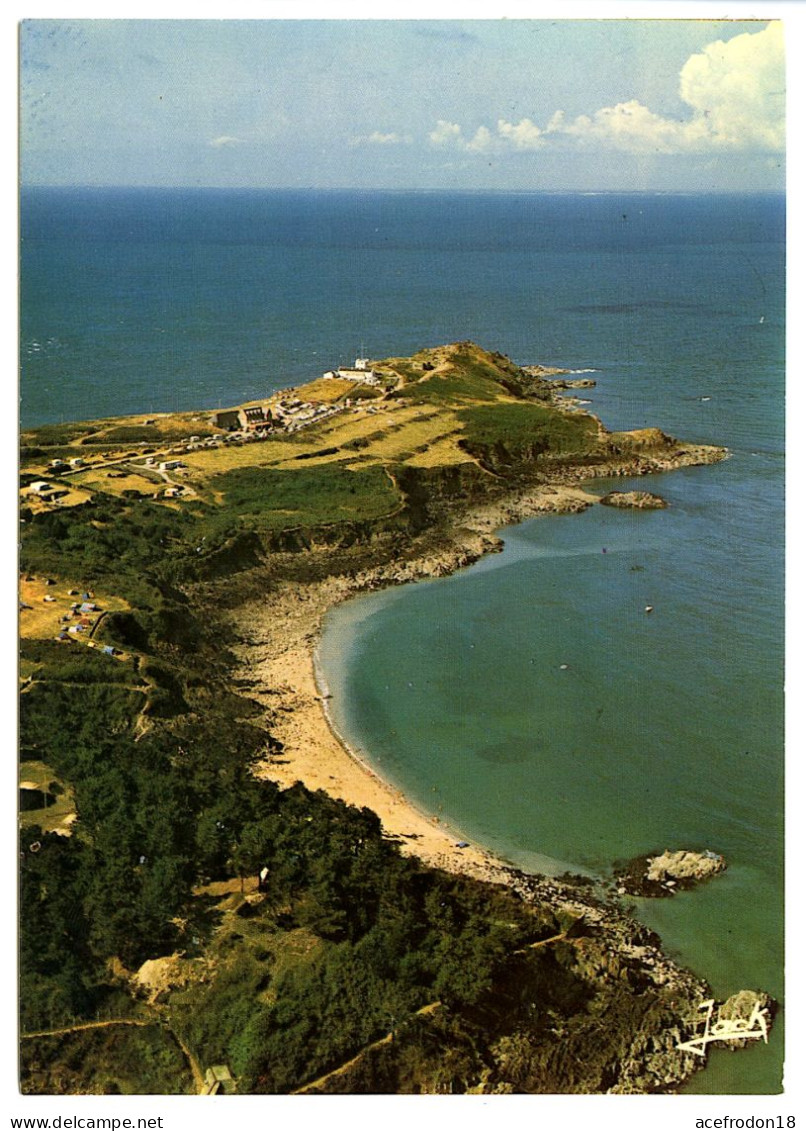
x=533, y=704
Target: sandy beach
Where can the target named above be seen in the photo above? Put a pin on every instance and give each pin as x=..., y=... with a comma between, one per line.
x=284, y=669
x=280, y=636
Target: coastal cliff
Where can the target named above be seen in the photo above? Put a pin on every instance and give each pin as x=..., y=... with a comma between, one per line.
x=223, y=822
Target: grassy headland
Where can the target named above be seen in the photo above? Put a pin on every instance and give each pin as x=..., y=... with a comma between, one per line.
x=175, y=756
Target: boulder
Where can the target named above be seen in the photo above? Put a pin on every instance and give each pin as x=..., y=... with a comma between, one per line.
x=741, y=1006
x=160, y=975
x=742, y=1020
x=641, y=500
x=684, y=865
x=668, y=872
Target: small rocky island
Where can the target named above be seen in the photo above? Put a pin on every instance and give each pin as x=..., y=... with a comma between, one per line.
x=639, y=500
x=667, y=873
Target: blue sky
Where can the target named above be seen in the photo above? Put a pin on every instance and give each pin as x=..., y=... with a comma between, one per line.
x=592, y=104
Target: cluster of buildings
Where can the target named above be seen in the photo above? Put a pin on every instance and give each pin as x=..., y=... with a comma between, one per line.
x=285, y=412
x=76, y=622
x=242, y=419
x=257, y=422
x=288, y=413
x=81, y=618
x=292, y=414
x=251, y=419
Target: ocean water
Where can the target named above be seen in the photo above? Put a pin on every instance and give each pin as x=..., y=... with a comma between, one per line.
x=660, y=730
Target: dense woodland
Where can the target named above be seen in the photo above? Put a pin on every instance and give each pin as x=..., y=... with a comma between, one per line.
x=172, y=806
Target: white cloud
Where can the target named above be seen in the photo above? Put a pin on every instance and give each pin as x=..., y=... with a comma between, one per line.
x=481, y=141
x=633, y=128
x=224, y=141
x=378, y=138
x=525, y=135
x=447, y=134
x=737, y=87
x=732, y=92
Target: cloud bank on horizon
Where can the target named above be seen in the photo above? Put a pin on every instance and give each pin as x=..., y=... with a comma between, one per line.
x=670, y=105
x=732, y=89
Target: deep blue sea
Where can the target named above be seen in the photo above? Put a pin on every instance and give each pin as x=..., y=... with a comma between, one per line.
x=529, y=701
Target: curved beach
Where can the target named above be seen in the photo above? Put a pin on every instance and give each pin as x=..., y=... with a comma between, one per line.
x=280, y=633
x=279, y=641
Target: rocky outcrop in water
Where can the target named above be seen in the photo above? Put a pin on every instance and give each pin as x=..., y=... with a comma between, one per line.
x=542, y=370
x=668, y=872
x=640, y=500
x=581, y=383
x=743, y=1007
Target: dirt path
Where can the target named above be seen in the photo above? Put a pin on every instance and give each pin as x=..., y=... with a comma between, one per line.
x=195, y=1067
x=142, y=688
x=425, y=1011
x=86, y=1025
x=545, y=942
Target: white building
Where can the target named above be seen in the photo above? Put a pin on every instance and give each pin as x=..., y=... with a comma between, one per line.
x=359, y=372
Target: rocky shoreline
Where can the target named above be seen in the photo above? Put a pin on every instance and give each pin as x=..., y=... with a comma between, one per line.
x=278, y=643
x=617, y=947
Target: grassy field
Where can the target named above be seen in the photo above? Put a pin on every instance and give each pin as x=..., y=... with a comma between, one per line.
x=443, y=451
x=528, y=426
x=386, y=435
x=212, y=461
x=73, y=496
x=161, y=427
x=325, y=390
x=389, y=436
x=274, y=499
x=44, y=617
x=114, y=481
